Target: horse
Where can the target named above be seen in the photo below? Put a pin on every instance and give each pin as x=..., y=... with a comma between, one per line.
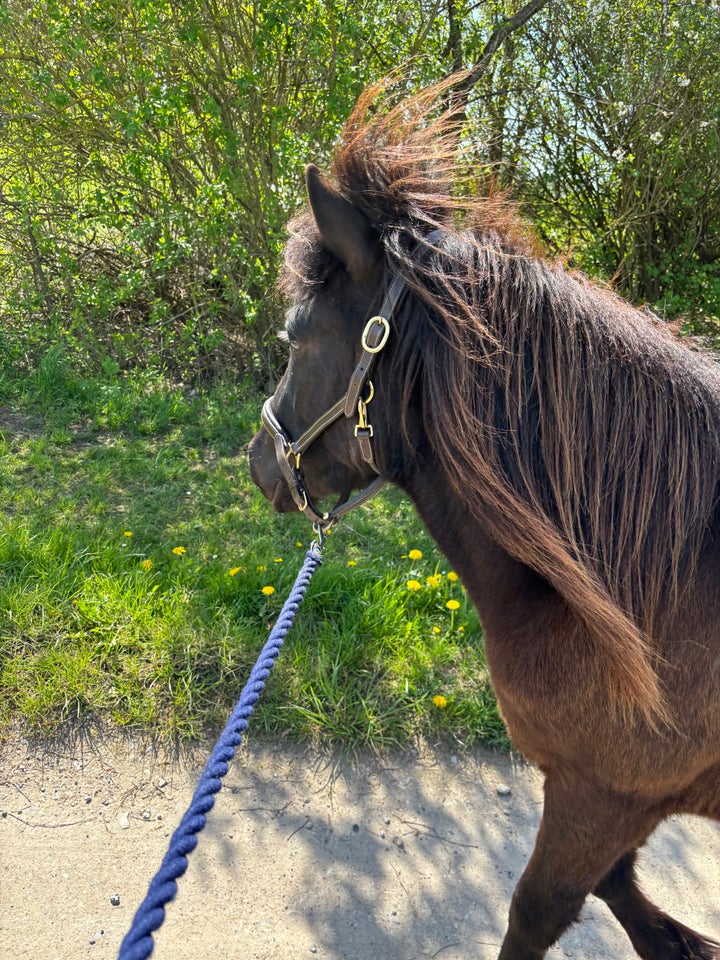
x=563, y=450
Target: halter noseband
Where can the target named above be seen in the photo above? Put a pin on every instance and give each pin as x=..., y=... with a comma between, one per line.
x=353, y=402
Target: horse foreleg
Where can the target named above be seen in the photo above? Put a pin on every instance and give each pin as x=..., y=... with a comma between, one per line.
x=581, y=835
x=654, y=935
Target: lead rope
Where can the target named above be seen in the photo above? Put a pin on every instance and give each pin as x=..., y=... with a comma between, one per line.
x=138, y=943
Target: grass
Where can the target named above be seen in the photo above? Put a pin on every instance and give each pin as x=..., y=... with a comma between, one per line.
x=133, y=555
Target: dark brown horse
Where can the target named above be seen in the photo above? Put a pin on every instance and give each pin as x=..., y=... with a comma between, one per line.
x=563, y=449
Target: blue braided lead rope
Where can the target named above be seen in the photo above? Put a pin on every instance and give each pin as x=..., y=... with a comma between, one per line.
x=138, y=943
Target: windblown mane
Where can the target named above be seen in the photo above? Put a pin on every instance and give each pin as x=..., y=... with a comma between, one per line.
x=580, y=431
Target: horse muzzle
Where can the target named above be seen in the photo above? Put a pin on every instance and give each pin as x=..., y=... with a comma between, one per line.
x=266, y=475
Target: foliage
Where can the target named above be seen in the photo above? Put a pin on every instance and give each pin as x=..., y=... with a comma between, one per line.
x=605, y=119
x=152, y=153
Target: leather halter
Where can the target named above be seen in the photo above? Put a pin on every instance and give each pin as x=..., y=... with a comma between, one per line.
x=354, y=402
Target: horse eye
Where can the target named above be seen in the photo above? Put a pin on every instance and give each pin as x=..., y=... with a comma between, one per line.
x=285, y=337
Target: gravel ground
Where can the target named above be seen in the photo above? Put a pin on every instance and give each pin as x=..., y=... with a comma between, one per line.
x=403, y=857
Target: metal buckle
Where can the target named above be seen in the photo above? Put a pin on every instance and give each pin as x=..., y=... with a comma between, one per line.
x=362, y=423
x=366, y=332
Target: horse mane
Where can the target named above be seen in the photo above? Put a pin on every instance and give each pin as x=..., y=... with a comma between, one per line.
x=576, y=427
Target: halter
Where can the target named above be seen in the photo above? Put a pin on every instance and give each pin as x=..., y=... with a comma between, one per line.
x=354, y=402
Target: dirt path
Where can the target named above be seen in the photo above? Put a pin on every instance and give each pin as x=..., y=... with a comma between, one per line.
x=402, y=858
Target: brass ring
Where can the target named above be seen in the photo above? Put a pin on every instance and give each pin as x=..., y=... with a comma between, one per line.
x=386, y=333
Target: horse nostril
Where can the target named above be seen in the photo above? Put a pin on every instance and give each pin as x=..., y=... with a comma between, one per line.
x=263, y=467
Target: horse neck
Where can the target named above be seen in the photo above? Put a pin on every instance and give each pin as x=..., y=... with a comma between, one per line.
x=493, y=579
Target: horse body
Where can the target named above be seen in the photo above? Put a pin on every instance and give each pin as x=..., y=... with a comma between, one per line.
x=553, y=696
x=564, y=453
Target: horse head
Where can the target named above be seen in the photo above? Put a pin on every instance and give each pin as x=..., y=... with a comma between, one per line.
x=317, y=438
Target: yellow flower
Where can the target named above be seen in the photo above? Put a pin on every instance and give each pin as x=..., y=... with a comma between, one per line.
x=352, y=563
x=146, y=564
x=179, y=551
x=299, y=543
x=127, y=533
x=413, y=585
x=433, y=580
x=268, y=590
x=453, y=605
x=277, y=559
x=233, y=570
x=415, y=554
x=452, y=575
x=439, y=701
x=260, y=568
x=436, y=629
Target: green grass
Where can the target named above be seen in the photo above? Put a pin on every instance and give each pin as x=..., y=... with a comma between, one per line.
x=102, y=478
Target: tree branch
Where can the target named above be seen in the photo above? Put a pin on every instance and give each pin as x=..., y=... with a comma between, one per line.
x=497, y=38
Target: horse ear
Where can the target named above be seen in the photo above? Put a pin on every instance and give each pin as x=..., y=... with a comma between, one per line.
x=344, y=230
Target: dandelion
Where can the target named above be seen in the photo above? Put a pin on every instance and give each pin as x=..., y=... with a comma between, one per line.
x=415, y=554
x=436, y=629
x=179, y=551
x=413, y=585
x=127, y=533
x=298, y=543
x=439, y=701
x=277, y=559
x=452, y=576
x=146, y=564
x=260, y=568
x=352, y=563
x=433, y=580
x=268, y=590
x=233, y=571
x=453, y=604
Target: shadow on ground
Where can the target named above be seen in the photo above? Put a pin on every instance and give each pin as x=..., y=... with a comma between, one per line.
x=395, y=858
